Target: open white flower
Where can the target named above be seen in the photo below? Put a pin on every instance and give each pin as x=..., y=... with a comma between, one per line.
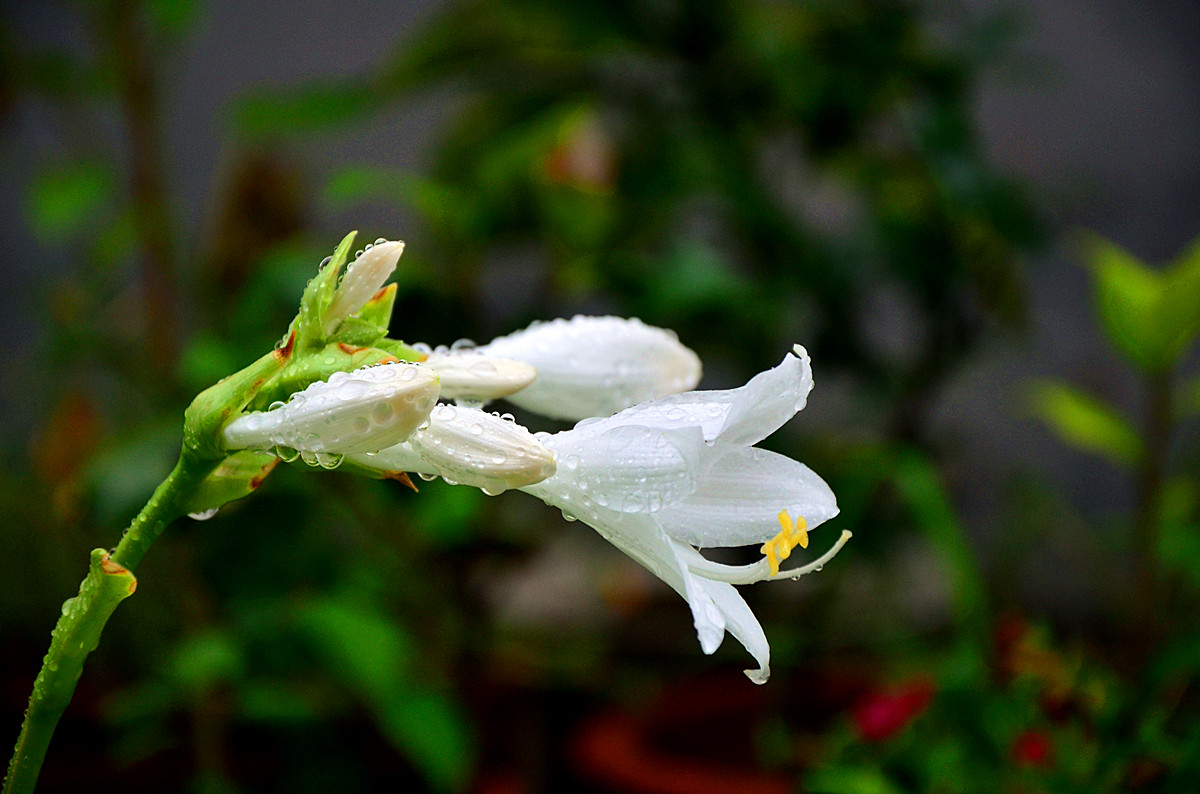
x=470, y=447
x=594, y=366
x=361, y=411
x=666, y=476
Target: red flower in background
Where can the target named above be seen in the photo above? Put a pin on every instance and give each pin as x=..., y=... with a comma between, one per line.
x=881, y=715
x=1033, y=748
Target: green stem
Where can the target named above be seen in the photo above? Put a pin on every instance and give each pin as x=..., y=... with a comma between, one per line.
x=1150, y=485
x=109, y=581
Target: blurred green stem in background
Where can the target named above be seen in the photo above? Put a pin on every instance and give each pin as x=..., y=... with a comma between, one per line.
x=109, y=581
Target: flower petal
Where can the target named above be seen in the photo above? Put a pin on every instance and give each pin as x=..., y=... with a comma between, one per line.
x=741, y=623
x=744, y=415
x=739, y=495
x=627, y=469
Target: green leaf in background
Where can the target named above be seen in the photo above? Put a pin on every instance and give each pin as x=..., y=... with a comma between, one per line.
x=1191, y=397
x=919, y=483
x=374, y=656
x=1127, y=295
x=1152, y=316
x=357, y=184
x=1179, y=521
x=366, y=649
x=849, y=780
x=431, y=728
x=206, y=660
x=313, y=107
x=1180, y=303
x=1084, y=422
x=171, y=18
x=65, y=200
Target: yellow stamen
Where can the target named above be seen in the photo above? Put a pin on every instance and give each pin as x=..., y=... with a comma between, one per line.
x=780, y=547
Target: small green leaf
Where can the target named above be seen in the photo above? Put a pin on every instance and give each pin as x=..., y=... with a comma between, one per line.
x=319, y=294
x=238, y=476
x=1084, y=422
x=65, y=200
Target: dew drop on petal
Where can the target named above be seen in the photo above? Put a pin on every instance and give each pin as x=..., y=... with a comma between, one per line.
x=203, y=515
x=286, y=454
x=329, y=460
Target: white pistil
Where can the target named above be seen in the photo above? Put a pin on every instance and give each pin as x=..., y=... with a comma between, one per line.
x=760, y=571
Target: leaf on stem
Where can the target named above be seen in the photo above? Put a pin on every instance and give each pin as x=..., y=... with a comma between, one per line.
x=1085, y=422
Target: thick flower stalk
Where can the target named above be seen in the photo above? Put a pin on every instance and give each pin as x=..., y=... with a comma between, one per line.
x=664, y=478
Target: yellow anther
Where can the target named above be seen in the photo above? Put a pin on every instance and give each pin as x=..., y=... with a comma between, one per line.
x=790, y=536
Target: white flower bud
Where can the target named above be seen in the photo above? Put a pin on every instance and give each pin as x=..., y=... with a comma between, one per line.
x=595, y=366
x=363, y=278
x=360, y=411
x=469, y=447
x=475, y=377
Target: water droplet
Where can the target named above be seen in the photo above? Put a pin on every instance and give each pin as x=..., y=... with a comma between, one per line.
x=427, y=477
x=382, y=413
x=381, y=241
x=361, y=424
x=324, y=262
x=276, y=404
x=462, y=344
x=568, y=517
x=203, y=515
x=329, y=460
x=286, y=454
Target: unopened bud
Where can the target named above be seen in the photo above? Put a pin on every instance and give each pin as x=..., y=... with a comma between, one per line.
x=363, y=278
x=360, y=411
x=476, y=377
x=596, y=366
x=470, y=447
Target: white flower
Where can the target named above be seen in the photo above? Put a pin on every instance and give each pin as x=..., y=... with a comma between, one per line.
x=468, y=446
x=664, y=477
x=363, y=278
x=360, y=411
x=594, y=366
x=472, y=376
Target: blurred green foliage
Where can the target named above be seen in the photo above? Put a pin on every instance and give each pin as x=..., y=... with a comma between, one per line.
x=749, y=173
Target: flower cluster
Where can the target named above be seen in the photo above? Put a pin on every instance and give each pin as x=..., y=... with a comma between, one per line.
x=657, y=469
